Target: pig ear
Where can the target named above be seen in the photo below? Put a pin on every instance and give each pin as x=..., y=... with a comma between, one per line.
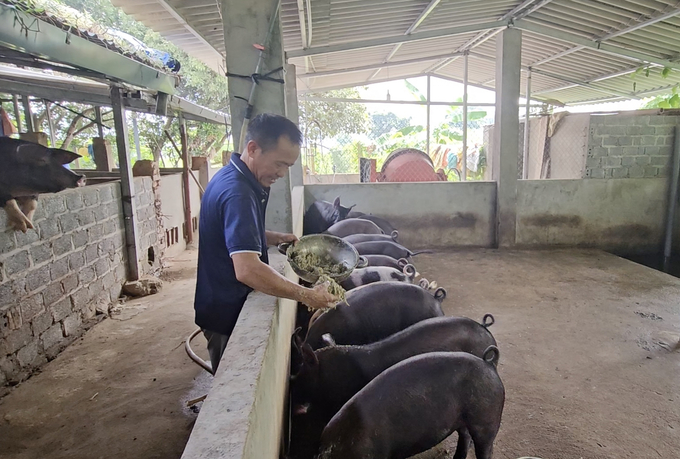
x=327, y=338
x=64, y=156
x=309, y=356
x=32, y=153
x=336, y=203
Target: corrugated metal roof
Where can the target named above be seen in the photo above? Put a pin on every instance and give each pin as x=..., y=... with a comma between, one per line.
x=564, y=69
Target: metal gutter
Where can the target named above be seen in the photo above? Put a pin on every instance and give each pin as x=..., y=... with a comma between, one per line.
x=28, y=34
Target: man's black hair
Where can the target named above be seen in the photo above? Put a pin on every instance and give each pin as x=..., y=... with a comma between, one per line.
x=267, y=128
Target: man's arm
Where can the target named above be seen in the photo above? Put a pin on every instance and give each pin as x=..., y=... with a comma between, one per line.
x=263, y=278
x=274, y=238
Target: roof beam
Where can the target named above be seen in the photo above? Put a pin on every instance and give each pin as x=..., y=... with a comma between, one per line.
x=523, y=9
x=593, y=44
x=651, y=20
x=178, y=17
x=58, y=45
x=376, y=66
x=394, y=39
x=571, y=81
x=308, y=90
x=423, y=15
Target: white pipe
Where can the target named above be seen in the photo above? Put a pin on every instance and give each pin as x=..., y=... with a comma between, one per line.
x=463, y=170
x=525, y=157
x=427, y=142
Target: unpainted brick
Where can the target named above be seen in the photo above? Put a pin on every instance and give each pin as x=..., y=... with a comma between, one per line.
x=647, y=130
x=610, y=141
x=596, y=173
x=28, y=353
x=7, y=241
x=661, y=140
x=31, y=306
x=648, y=140
x=41, y=253
x=657, y=120
x=62, y=245
x=96, y=288
x=86, y=275
x=68, y=222
x=651, y=171
x=10, y=319
x=17, y=339
x=633, y=130
x=41, y=323
x=53, y=205
x=102, y=266
x=105, y=193
x=91, y=253
x=633, y=151
x=71, y=324
x=86, y=217
x=621, y=172
x=623, y=141
x=59, y=268
x=61, y=309
x=660, y=160
x=76, y=260
x=652, y=150
x=70, y=283
x=74, y=200
x=663, y=171
x=114, y=293
x=612, y=161
x=100, y=213
x=53, y=336
x=642, y=160
x=108, y=280
x=636, y=171
x=38, y=278
x=597, y=151
x=112, y=226
x=80, y=298
x=52, y=293
x=664, y=130
x=49, y=228
x=615, y=151
x=27, y=238
x=90, y=196
x=95, y=232
x=610, y=130
x=628, y=160
x=17, y=263
x=79, y=238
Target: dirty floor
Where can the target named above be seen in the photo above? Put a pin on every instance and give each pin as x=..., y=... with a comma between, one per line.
x=121, y=390
x=584, y=340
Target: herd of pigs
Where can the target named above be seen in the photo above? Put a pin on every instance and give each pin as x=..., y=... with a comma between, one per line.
x=384, y=374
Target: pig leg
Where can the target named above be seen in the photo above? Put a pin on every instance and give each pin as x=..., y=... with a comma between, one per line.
x=463, y=444
x=16, y=217
x=28, y=204
x=483, y=438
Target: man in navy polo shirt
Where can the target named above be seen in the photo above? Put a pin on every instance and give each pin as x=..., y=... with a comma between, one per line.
x=232, y=243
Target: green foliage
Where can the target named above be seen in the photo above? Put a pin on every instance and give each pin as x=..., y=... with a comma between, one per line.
x=198, y=83
x=383, y=123
x=324, y=119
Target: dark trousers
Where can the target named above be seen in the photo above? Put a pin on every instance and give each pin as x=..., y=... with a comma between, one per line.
x=217, y=342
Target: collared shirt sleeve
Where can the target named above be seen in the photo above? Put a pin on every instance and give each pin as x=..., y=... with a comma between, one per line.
x=242, y=225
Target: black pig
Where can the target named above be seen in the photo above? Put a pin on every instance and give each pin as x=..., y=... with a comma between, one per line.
x=29, y=169
x=415, y=404
x=321, y=215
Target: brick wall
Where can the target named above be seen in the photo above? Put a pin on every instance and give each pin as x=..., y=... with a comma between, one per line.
x=53, y=278
x=630, y=145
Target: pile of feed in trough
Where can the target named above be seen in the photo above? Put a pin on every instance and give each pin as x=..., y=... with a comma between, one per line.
x=321, y=267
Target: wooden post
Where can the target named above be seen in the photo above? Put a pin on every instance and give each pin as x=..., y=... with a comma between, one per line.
x=127, y=184
x=48, y=114
x=98, y=118
x=27, y=114
x=189, y=230
x=17, y=112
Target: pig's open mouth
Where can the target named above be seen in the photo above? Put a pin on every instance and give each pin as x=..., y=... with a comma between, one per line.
x=81, y=182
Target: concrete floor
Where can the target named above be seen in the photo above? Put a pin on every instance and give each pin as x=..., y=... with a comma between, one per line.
x=121, y=390
x=582, y=336
x=581, y=359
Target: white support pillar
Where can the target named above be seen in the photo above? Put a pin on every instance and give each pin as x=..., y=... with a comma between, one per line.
x=463, y=172
x=429, y=130
x=527, y=139
x=506, y=134
x=293, y=114
x=246, y=24
x=50, y=123
x=127, y=185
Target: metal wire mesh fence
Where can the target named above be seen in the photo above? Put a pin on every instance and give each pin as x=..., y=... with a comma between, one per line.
x=352, y=142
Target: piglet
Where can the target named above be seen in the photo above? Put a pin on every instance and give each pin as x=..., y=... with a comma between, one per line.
x=29, y=169
x=415, y=404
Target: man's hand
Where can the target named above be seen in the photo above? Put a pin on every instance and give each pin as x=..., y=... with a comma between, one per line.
x=274, y=238
x=319, y=297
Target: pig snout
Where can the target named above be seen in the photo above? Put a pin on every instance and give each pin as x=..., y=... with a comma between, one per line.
x=81, y=180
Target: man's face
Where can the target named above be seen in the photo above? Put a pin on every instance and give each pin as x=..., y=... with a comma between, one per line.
x=270, y=165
